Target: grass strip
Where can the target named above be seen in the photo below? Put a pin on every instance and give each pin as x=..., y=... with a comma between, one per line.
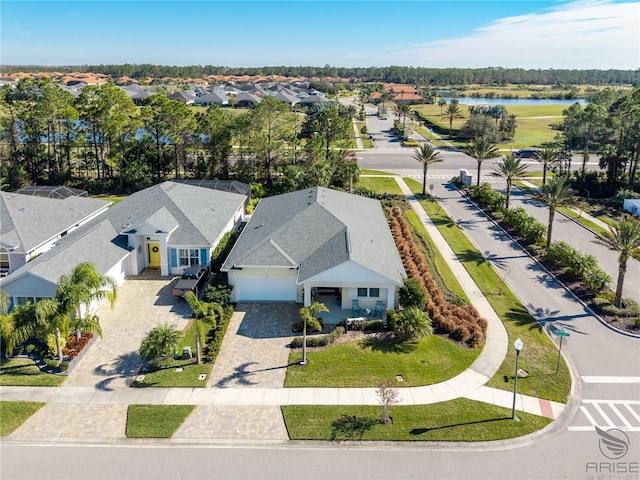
x=381, y=185
x=368, y=362
x=539, y=355
x=14, y=414
x=459, y=420
x=24, y=372
x=155, y=421
x=438, y=267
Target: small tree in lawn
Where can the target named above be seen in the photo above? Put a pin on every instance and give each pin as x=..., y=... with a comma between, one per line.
x=204, y=314
x=388, y=396
x=161, y=340
x=307, y=317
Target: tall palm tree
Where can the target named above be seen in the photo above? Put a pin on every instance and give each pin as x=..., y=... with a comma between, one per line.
x=556, y=193
x=307, y=317
x=384, y=96
x=442, y=102
x=204, y=313
x=451, y=113
x=51, y=314
x=161, y=340
x=547, y=157
x=510, y=169
x=403, y=110
x=481, y=149
x=625, y=238
x=426, y=155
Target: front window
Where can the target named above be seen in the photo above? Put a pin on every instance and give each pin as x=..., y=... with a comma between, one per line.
x=374, y=292
x=188, y=257
x=362, y=292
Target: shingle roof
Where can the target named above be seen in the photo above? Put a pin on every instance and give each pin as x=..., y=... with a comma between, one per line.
x=316, y=229
x=27, y=221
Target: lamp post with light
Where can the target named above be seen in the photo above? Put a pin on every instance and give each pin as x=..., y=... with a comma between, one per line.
x=518, y=346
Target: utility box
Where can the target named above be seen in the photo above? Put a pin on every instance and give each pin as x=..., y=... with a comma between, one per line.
x=186, y=353
x=465, y=178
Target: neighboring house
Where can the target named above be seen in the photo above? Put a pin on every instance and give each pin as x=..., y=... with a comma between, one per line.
x=30, y=224
x=300, y=242
x=212, y=98
x=169, y=226
x=246, y=100
x=185, y=96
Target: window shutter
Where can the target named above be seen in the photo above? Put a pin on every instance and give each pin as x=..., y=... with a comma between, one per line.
x=174, y=257
x=203, y=256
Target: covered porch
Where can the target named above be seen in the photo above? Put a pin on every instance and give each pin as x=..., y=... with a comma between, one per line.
x=350, y=309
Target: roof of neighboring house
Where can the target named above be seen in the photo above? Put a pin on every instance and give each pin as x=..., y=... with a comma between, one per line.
x=200, y=214
x=213, y=97
x=316, y=229
x=286, y=97
x=182, y=96
x=28, y=221
x=247, y=97
x=194, y=216
x=405, y=97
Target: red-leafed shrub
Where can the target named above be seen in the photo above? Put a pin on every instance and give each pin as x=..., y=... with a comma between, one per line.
x=461, y=323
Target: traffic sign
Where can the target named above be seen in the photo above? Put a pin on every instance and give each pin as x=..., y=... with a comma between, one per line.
x=562, y=333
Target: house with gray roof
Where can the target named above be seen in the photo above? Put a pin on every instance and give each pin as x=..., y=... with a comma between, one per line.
x=303, y=243
x=215, y=97
x=246, y=100
x=169, y=226
x=185, y=96
x=31, y=224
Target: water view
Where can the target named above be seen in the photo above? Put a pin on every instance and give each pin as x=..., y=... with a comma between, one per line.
x=515, y=101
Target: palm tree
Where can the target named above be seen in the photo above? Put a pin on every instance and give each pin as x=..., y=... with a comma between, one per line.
x=442, y=102
x=481, y=149
x=403, y=109
x=83, y=286
x=556, y=193
x=426, y=155
x=548, y=156
x=510, y=169
x=451, y=113
x=51, y=314
x=307, y=317
x=203, y=312
x=384, y=96
x=625, y=238
x=161, y=340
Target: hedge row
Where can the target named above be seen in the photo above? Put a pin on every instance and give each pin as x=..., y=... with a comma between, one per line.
x=216, y=335
x=582, y=266
x=462, y=323
x=319, y=340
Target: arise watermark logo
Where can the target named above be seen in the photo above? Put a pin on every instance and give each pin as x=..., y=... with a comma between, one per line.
x=613, y=444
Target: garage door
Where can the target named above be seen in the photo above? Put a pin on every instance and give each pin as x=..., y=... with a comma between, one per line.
x=265, y=289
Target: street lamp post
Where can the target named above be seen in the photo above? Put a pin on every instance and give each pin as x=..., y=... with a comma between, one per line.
x=518, y=346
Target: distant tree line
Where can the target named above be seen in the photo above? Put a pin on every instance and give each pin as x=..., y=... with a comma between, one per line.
x=101, y=142
x=395, y=74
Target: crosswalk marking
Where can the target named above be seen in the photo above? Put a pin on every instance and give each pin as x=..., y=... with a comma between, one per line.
x=619, y=414
x=604, y=379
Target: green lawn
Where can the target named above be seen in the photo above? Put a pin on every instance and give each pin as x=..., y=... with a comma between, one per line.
x=381, y=185
x=190, y=374
x=14, y=414
x=369, y=362
x=24, y=372
x=459, y=420
x=438, y=267
x=539, y=355
x=155, y=421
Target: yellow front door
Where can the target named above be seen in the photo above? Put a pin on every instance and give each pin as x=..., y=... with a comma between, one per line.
x=153, y=254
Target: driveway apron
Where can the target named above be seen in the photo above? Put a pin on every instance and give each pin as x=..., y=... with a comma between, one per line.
x=144, y=302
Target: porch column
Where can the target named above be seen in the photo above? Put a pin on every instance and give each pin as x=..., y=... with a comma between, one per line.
x=307, y=296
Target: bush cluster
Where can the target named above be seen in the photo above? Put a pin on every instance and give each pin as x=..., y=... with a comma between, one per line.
x=366, y=325
x=216, y=335
x=319, y=340
x=604, y=303
x=531, y=229
x=582, y=266
x=462, y=323
x=486, y=195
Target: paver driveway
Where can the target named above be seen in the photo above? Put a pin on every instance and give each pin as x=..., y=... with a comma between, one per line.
x=144, y=302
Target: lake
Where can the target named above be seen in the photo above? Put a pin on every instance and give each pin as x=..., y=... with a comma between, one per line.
x=514, y=101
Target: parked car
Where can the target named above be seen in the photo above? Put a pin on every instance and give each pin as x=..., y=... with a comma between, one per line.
x=192, y=279
x=527, y=153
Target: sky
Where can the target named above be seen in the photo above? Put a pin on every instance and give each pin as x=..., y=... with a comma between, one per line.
x=583, y=34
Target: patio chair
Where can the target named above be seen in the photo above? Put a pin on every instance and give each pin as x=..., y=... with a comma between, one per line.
x=377, y=311
x=355, y=308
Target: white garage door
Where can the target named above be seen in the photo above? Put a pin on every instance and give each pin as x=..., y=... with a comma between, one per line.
x=265, y=289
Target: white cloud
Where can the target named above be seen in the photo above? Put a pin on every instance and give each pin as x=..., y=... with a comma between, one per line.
x=581, y=35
